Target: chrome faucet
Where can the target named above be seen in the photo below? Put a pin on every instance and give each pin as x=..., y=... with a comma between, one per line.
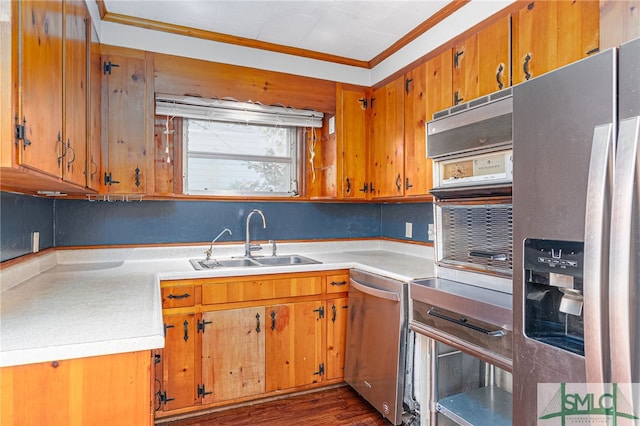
x=247, y=244
x=208, y=252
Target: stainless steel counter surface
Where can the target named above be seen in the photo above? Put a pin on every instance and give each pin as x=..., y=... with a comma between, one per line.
x=87, y=302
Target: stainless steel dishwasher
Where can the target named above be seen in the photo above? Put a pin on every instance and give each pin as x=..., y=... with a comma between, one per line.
x=376, y=354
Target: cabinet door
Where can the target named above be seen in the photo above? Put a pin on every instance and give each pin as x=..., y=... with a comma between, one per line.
x=465, y=70
x=438, y=74
x=75, y=95
x=294, y=340
x=179, y=361
x=537, y=40
x=233, y=354
x=352, y=142
x=336, y=337
x=94, y=145
x=578, y=30
x=416, y=165
x=125, y=114
x=494, y=57
x=42, y=33
x=387, y=140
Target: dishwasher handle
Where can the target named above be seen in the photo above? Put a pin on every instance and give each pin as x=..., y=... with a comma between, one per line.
x=376, y=292
x=465, y=323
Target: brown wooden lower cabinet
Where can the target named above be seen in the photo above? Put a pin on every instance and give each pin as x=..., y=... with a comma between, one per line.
x=110, y=389
x=250, y=337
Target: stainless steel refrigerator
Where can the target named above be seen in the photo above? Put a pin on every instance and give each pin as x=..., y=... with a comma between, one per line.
x=576, y=237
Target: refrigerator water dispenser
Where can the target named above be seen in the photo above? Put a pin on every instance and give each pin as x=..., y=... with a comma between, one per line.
x=553, y=293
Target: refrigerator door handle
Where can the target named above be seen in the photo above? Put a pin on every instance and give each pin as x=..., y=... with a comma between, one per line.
x=624, y=246
x=596, y=239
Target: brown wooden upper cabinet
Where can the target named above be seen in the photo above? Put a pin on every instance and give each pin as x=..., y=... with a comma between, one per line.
x=481, y=63
x=125, y=110
x=417, y=168
x=548, y=35
x=351, y=124
x=52, y=109
x=387, y=140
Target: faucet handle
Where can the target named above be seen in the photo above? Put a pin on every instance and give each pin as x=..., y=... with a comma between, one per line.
x=273, y=247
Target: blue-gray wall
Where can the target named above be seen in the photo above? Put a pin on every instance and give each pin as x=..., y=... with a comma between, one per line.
x=20, y=215
x=80, y=222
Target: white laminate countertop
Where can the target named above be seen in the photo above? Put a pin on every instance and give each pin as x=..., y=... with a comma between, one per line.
x=88, y=302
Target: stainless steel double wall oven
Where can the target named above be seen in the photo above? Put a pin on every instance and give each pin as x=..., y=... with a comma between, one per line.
x=466, y=310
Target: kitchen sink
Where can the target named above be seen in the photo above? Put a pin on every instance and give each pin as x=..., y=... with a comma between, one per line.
x=243, y=262
x=285, y=260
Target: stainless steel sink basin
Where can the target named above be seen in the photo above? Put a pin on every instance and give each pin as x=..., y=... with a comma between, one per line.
x=222, y=263
x=243, y=262
x=285, y=260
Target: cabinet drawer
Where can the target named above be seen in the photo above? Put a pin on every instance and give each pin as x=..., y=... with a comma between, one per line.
x=178, y=296
x=338, y=283
x=243, y=291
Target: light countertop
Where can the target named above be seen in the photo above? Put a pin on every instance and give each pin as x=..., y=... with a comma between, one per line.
x=88, y=302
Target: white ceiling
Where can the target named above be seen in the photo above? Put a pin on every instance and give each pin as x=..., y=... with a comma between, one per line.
x=354, y=29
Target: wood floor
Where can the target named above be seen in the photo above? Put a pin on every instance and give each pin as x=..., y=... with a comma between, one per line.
x=339, y=406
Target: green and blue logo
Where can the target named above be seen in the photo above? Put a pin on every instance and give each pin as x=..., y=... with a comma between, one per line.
x=582, y=403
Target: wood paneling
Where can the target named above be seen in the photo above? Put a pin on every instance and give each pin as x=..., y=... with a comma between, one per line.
x=111, y=389
x=184, y=76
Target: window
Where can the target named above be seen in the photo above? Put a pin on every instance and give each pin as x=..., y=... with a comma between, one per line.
x=240, y=159
x=236, y=148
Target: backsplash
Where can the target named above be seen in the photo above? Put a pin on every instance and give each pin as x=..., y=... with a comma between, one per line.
x=83, y=223
x=20, y=215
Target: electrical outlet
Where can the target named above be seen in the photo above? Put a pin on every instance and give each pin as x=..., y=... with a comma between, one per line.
x=408, y=229
x=35, y=242
x=431, y=232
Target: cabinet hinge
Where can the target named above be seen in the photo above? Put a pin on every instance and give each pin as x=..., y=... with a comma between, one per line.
x=407, y=83
x=163, y=397
x=365, y=188
x=456, y=59
x=108, y=180
x=157, y=358
x=320, y=371
x=202, y=391
x=364, y=103
x=107, y=67
x=165, y=328
x=201, y=325
x=21, y=133
x=320, y=311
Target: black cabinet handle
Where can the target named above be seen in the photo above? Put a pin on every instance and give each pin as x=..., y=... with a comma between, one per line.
x=73, y=151
x=335, y=313
x=399, y=182
x=273, y=320
x=348, y=189
x=338, y=283
x=499, y=76
x=137, y=170
x=60, y=143
x=258, y=323
x=178, y=296
x=185, y=324
x=525, y=66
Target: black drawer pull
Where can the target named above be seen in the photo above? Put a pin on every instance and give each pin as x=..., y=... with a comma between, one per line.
x=338, y=283
x=178, y=296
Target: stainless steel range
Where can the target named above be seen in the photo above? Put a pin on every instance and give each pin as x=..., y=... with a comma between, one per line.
x=466, y=310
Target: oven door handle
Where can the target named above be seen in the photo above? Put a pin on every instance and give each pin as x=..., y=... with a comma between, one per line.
x=376, y=292
x=465, y=323
x=488, y=255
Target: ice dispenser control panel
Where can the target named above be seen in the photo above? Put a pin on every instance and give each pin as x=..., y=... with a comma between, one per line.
x=553, y=277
